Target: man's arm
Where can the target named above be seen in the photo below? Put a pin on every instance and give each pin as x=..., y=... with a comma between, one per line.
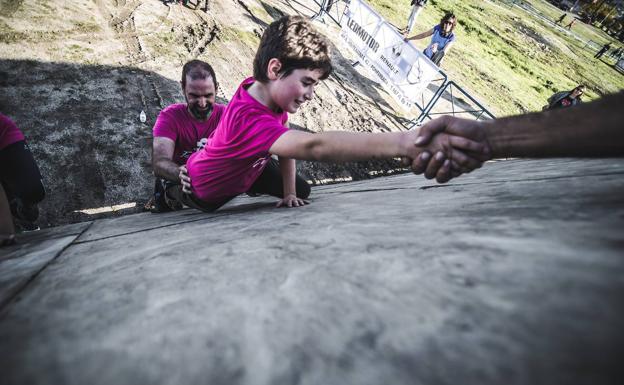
x=162, y=159
x=589, y=130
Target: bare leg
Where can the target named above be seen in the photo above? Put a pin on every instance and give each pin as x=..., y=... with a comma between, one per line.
x=7, y=231
x=411, y=21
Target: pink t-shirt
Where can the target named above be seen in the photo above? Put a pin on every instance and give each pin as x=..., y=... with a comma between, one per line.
x=189, y=134
x=9, y=133
x=238, y=151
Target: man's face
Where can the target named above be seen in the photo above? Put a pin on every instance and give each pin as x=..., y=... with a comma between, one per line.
x=290, y=92
x=577, y=92
x=200, y=96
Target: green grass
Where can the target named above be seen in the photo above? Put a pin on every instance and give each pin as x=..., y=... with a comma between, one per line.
x=8, y=35
x=77, y=53
x=165, y=44
x=510, y=59
x=246, y=37
x=86, y=26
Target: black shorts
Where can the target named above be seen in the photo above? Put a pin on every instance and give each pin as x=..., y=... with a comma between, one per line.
x=269, y=182
x=19, y=174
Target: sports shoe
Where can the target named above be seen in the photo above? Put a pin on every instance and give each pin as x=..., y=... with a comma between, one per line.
x=173, y=204
x=24, y=215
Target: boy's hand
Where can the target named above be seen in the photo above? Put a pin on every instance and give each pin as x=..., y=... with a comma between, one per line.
x=291, y=200
x=185, y=179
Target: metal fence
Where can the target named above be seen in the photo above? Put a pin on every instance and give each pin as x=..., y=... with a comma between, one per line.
x=595, y=46
x=332, y=9
x=452, y=99
x=446, y=96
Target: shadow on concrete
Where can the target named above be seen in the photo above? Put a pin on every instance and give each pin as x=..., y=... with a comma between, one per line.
x=82, y=123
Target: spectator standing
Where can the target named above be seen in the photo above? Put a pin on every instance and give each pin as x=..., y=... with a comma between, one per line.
x=571, y=24
x=565, y=98
x=442, y=38
x=417, y=6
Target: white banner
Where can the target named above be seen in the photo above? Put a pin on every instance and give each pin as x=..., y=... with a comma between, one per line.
x=399, y=66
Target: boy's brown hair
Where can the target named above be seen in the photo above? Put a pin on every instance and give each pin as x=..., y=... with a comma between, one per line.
x=296, y=44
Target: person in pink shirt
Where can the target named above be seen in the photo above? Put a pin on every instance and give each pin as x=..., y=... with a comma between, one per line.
x=291, y=60
x=21, y=188
x=183, y=128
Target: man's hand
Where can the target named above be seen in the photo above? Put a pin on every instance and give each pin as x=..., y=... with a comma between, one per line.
x=185, y=179
x=291, y=200
x=470, y=148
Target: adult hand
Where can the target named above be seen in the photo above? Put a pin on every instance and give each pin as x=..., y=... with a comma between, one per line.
x=468, y=140
x=291, y=200
x=185, y=179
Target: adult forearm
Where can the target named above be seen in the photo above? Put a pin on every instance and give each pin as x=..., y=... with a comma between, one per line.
x=167, y=169
x=589, y=130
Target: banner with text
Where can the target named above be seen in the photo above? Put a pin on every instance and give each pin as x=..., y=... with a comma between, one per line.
x=399, y=66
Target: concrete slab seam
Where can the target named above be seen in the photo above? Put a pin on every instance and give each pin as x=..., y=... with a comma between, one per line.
x=5, y=304
x=151, y=228
x=77, y=234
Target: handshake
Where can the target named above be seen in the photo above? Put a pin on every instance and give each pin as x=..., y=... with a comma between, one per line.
x=447, y=147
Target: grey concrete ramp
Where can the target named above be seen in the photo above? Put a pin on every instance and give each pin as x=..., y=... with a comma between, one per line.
x=511, y=275
x=21, y=263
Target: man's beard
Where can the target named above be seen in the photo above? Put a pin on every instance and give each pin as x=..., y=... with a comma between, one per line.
x=198, y=113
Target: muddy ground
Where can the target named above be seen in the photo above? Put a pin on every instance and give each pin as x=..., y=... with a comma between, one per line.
x=76, y=75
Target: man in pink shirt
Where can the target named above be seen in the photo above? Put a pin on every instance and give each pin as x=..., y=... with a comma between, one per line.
x=21, y=188
x=183, y=128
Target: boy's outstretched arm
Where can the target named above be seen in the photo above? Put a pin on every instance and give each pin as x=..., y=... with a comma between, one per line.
x=338, y=146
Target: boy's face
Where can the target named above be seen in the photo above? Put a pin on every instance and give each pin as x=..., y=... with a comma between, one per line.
x=290, y=92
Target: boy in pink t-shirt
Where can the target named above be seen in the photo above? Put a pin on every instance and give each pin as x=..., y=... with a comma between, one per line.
x=237, y=155
x=291, y=60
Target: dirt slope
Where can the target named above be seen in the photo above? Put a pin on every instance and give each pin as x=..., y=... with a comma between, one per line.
x=76, y=75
